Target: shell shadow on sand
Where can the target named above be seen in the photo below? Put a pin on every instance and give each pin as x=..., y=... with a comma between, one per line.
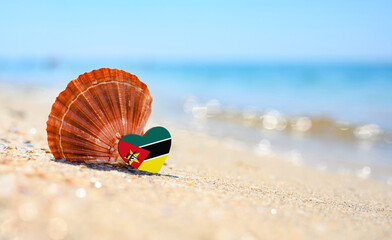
x=109, y=167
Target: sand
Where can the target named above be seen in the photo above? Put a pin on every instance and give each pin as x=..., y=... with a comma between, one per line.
x=208, y=189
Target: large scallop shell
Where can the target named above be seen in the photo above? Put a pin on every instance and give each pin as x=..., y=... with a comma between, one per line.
x=94, y=112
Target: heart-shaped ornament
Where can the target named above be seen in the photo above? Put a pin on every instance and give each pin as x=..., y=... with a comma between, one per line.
x=146, y=153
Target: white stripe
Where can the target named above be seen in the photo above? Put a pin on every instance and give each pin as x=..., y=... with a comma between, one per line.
x=155, y=157
x=155, y=142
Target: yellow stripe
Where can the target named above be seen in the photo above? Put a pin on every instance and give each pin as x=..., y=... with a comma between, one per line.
x=153, y=165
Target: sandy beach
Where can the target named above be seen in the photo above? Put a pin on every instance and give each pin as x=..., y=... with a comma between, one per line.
x=208, y=189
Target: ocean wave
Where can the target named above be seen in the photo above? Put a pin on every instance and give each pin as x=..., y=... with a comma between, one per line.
x=274, y=120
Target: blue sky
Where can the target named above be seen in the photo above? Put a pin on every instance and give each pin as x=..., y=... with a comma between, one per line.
x=199, y=30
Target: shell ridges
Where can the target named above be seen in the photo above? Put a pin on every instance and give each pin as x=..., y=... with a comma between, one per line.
x=94, y=112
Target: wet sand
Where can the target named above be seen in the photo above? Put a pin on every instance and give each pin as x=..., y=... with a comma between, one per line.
x=208, y=189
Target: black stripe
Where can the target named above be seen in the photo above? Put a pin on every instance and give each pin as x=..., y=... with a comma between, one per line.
x=158, y=149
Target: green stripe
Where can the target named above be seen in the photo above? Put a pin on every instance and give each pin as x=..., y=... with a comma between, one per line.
x=153, y=135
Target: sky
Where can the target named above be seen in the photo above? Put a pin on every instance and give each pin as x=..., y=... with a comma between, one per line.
x=352, y=30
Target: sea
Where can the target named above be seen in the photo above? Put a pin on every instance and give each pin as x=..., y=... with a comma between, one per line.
x=329, y=116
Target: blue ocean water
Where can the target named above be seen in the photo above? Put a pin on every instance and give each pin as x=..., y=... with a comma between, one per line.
x=355, y=93
x=332, y=97
x=358, y=93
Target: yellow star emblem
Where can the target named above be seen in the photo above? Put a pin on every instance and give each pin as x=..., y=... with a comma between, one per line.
x=131, y=156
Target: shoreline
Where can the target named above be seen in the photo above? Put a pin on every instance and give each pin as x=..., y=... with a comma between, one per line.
x=222, y=192
x=355, y=155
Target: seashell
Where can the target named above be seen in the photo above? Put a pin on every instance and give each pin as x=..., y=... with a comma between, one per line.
x=94, y=112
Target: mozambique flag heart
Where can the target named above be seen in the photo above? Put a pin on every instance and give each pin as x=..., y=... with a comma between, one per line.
x=148, y=152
